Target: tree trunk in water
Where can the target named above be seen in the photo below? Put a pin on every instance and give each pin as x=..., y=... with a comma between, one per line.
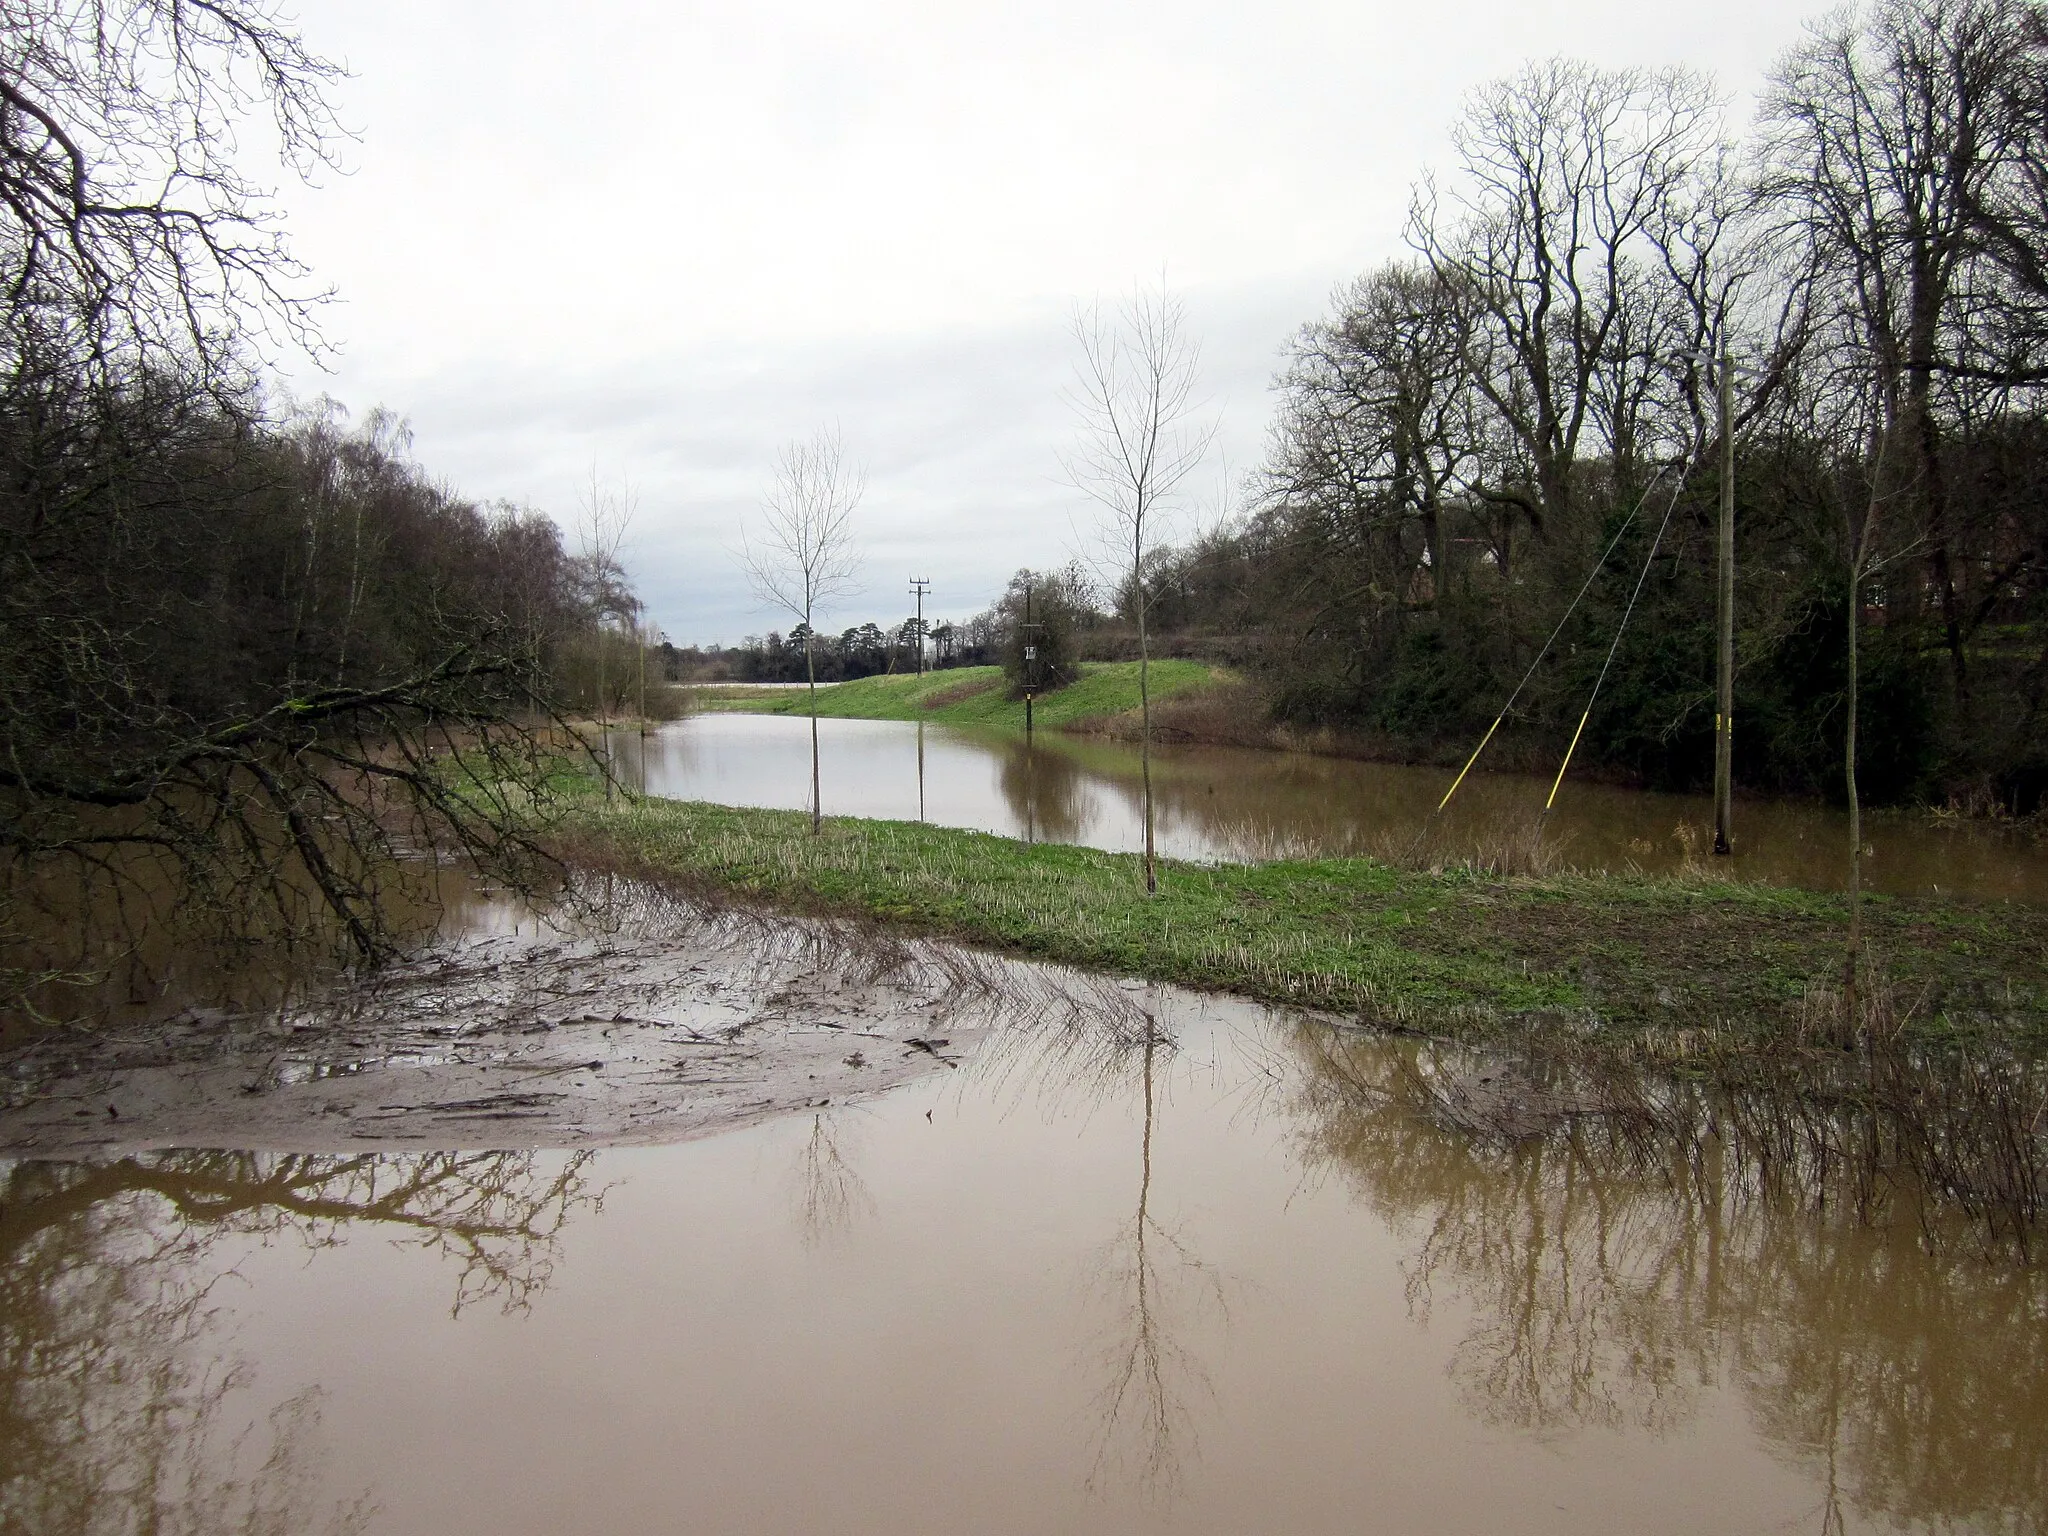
x=1145, y=743
x=811, y=679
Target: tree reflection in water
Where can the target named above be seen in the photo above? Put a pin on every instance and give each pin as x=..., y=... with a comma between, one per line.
x=1615, y=1279
x=1155, y=1292
x=830, y=1193
x=112, y=1388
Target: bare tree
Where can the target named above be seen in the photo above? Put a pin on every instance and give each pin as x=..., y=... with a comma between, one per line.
x=130, y=232
x=604, y=517
x=1891, y=137
x=1377, y=434
x=1143, y=432
x=1565, y=170
x=802, y=555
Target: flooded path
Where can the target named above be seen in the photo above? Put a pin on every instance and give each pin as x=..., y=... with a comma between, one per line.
x=1177, y=1265
x=1238, y=804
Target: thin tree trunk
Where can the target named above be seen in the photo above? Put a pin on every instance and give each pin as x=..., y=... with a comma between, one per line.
x=1852, y=959
x=1145, y=741
x=604, y=712
x=811, y=677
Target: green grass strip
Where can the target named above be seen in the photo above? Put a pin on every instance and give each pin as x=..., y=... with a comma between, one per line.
x=1456, y=952
x=968, y=696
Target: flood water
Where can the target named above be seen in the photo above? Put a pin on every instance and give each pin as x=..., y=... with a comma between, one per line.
x=1197, y=1283
x=1242, y=805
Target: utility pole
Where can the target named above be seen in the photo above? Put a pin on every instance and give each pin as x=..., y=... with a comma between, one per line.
x=640, y=644
x=1724, y=682
x=918, y=586
x=1026, y=641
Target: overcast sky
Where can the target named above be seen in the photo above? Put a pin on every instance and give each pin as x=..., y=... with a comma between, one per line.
x=659, y=240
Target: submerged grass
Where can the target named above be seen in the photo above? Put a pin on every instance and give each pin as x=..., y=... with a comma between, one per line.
x=1708, y=971
x=969, y=696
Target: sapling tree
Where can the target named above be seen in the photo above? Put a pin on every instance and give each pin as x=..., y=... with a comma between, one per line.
x=1144, y=431
x=800, y=554
x=606, y=514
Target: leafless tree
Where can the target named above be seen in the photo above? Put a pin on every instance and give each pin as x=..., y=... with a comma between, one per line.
x=1377, y=432
x=1143, y=432
x=243, y=661
x=801, y=555
x=1890, y=137
x=603, y=519
x=1563, y=171
x=1899, y=144
x=131, y=232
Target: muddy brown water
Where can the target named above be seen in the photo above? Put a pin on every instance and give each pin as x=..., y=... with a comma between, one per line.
x=1185, y=1280
x=1239, y=804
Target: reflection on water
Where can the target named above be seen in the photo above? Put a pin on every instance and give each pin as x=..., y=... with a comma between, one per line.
x=113, y=954
x=117, y=1400
x=1158, y=1296
x=1616, y=1282
x=1236, y=804
x=996, y=1301
x=831, y=1195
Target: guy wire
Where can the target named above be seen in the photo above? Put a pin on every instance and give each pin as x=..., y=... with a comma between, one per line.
x=1620, y=630
x=1598, y=566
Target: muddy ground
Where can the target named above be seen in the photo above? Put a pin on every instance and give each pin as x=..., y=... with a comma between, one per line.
x=542, y=1037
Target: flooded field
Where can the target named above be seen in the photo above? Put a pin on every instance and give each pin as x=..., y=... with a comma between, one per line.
x=630, y=1216
x=1237, y=804
x=1176, y=1265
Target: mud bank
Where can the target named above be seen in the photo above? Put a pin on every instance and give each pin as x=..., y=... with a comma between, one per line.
x=541, y=1038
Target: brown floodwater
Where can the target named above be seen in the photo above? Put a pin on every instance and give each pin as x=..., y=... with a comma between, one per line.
x=1238, y=804
x=1205, y=1277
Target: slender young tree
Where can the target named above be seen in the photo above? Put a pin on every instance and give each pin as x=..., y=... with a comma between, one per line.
x=1143, y=432
x=800, y=556
x=606, y=515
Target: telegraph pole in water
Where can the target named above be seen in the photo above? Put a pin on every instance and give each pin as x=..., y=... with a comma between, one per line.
x=1026, y=639
x=1724, y=682
x=918, y=587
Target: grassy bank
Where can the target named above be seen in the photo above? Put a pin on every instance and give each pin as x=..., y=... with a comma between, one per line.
x=972, y=696
x=1708, y=966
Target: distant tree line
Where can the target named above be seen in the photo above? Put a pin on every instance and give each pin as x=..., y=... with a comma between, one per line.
x=1059, y=609
x=865, y=650
x=1468, y=429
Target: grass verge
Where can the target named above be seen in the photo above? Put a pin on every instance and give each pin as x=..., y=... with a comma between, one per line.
x=969, y=696
x=1703, y=969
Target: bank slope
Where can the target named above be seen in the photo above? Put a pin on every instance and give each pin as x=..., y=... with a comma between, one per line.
x=972, y=696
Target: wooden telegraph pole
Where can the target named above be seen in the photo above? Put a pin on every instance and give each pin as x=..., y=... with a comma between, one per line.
x=1027, y=639
x=918, y=587
x=1724, y=682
